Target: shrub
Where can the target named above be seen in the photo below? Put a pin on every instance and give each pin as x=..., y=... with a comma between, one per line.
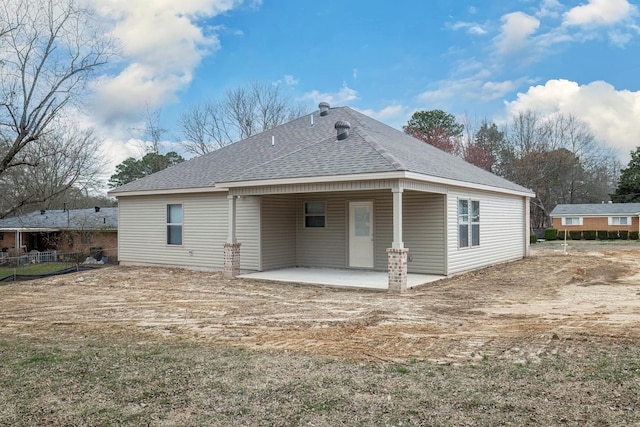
x=575, y=234
x=589, y=234
x=633, y=235
x=561, y=234
x=533, y=239
x=612, y=234
x=602, y=235
x=550, y=234
x=624, y=234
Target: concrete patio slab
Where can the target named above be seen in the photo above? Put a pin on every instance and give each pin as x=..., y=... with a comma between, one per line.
x=363, y=279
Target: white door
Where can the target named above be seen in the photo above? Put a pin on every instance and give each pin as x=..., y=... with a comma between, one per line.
x=361, y=234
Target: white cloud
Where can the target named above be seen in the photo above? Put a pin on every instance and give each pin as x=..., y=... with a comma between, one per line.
x=476, y=87
x=598, y=12
x=517, y=27
x=613, y=115
x=162, y=44
x=343, y=96
x=469, y=27
x=549, y=8
x=355, y=73
x=287, y=80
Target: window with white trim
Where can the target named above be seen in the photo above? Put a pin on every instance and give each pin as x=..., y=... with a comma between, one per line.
x=468, y=223
x=315, y=214
x=619, y=220
x=571, y=220
x=174, y=224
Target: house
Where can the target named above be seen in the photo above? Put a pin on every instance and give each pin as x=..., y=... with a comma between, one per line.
x=597, y=217
x=63, y=230
x=332, y=189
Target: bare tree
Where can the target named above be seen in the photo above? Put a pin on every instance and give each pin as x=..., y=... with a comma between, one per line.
x=64, y=161
x=48, y=51
x=243, y=111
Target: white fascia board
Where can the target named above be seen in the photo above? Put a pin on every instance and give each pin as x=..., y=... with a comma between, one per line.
x=315, y=179
x=599, y=215
x=172, y=191
x=465, y=184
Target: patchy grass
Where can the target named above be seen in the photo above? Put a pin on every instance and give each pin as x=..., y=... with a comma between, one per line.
x=109, y=381
x=35, y=269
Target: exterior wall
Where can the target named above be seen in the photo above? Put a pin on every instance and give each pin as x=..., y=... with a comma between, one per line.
x=8, y=240
x=278, y=232
x=327, y=247
x=424, y=232
x=142, y=231
x=502, y=231
x=107, y=240
x=596, y=223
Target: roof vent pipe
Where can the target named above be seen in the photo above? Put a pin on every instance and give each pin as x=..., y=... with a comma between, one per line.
x=343, y=129
x=42, y=211
x=97, y=208
x=324, y=108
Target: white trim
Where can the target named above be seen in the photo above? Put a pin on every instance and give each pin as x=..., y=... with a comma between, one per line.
x=610, y=220
x=226, y=186
x=172, y=191
x=313, y=179
x=375, y=176
x=564, y=221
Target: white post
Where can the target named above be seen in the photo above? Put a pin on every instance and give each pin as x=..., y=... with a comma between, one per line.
x=231, y=236
x=397, y=217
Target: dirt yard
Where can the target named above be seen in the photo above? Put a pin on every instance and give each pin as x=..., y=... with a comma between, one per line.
x=518, y=311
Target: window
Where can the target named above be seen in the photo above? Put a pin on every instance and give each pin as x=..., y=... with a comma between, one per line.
x=619, y=220
x=174, y=224
x=468, y=223
x=314, y=214
x=1, y=235
x=572, y=220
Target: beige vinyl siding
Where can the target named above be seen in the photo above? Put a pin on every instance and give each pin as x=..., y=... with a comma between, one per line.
x=278, y=232
x=248, y=232
x=142, y=231
x=502, y=231
x=423, y=230
x=327, y=247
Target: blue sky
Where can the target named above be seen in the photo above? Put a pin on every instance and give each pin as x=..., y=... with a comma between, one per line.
x=483, y=59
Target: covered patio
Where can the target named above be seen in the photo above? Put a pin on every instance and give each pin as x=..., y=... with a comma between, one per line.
x=361, y=279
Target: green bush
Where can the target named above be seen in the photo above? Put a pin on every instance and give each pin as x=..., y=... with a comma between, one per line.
x=624, y=234
x=550, y=234
x=602, y=235
x=633, y=235
x=575, y=234
x=561, y=234
x=612, y=234
x=589, y=234
x=533, y=239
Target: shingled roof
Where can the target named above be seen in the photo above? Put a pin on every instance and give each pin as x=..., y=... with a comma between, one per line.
x=307, y=147
x=75, y=219
x=596, y=209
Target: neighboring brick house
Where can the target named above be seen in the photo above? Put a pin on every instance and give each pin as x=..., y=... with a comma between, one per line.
x=75, y=230
x=597, y=217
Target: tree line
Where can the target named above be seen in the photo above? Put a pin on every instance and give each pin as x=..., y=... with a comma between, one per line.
x=557, y=157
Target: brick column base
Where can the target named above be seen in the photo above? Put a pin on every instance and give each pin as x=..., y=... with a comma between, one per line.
x=397, y=269
x=231, y=260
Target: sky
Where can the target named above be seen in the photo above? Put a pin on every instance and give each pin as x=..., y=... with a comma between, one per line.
x=486, y=59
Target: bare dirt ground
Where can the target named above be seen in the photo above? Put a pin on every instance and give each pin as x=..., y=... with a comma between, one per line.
x=518, y=311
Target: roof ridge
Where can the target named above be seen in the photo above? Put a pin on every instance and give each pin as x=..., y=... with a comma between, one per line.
x=389, y=157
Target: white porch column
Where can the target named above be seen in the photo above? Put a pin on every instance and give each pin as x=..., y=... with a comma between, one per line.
x=397, y=217
x=397, y=254
x=231, y=227
x=232, y=247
